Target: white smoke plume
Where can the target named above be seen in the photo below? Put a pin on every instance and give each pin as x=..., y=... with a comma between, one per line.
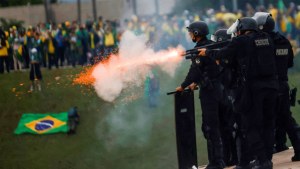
x=131, y=66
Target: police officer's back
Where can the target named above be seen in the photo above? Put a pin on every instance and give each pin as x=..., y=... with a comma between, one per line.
x=284, y=60
x=253, y=53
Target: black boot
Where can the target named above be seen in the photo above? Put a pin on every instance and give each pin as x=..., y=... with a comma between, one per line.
x=215, y=154
x=294, y=136
x=296, y=157
x=242, y=167
x=280, y=148
x=280, y=140
x=263, y=165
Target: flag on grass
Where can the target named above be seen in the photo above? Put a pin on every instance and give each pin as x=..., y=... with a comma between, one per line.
x=43, y=123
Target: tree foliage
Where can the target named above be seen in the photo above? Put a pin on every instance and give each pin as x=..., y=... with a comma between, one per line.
x=8, y=3
x=8, y=23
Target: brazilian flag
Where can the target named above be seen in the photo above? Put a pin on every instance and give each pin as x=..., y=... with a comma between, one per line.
x=43, y=123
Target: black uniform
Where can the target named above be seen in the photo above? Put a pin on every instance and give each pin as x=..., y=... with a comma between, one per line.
x=227, y=116
x=253, y=56
x=285, y=122
x=205, y=72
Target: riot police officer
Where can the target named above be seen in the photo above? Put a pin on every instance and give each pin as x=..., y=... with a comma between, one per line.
x=252, y=54
x=204, y=72
x=227, y=115
x=284, y=60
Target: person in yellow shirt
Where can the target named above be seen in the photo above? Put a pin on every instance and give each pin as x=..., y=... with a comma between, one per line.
x=3, y=52
x=51, y=49
x=109, y=41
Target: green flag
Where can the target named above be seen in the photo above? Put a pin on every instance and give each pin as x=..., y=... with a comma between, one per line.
x=43, y=123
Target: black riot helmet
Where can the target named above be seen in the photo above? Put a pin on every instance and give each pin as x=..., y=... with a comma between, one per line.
x=198, y=28
x=247, y=24
x=264, y=21
x=220, y=35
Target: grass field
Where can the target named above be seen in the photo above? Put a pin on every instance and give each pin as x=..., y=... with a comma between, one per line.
x=124, y=134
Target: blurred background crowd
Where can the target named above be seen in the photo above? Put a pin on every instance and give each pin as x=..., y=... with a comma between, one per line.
x=71, y=43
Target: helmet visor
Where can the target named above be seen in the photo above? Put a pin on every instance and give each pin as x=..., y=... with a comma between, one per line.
x=261, y=17
x=233, y=28
x=214, y=38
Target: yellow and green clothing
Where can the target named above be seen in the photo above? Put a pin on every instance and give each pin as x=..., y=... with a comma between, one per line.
x=109, y=39
x=4, y=50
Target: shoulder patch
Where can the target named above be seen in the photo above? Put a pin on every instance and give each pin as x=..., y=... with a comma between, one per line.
x=262, y=42
x=282, y=52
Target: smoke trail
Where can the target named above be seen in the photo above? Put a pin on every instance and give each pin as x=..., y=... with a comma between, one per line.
x=127, y=125
x=130, y=121
x=131, y=66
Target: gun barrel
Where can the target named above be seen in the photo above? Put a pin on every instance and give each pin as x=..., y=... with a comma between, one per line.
x=189, y=56
x=191, y=53
x=185, y=90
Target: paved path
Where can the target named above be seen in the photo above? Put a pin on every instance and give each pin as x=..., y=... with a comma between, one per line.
x=281, y=160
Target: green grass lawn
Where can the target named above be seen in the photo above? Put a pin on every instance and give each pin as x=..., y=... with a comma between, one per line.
x=123, y=134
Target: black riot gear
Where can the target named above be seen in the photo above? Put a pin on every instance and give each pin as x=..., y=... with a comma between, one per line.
x=285, y=123
x=247, y=24
x=205, y=72
x=220, y=35
x=256, y=92
x=198, y=28
x=264, y=21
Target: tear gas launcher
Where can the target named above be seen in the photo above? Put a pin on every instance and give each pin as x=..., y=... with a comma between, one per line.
x=193, y=53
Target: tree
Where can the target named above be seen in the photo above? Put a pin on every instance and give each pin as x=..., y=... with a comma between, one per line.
x=8, y=23
x=8, y=3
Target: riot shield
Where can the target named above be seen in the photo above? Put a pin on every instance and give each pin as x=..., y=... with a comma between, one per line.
x=185, y=129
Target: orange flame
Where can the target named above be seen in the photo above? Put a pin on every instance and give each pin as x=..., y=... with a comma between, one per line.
x=86, y=77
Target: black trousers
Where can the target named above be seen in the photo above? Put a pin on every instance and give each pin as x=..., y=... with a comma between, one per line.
x=2, y=60
x=257, y=126
x=52, y=60
x=228, y=132
x=211, y=100
x=61, y=55
x=285, y=123
x=35, y=71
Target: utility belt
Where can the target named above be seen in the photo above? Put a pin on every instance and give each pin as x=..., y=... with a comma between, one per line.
x=208, y=83
x=205, y=82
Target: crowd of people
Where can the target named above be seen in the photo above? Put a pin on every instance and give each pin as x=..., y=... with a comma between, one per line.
x=70, y=43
